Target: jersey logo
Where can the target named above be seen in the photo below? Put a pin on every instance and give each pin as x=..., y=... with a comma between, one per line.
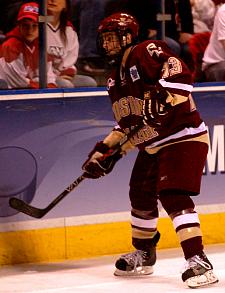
x=110, y=83
x=134, y=73
x=56, y=51
x=154, y=50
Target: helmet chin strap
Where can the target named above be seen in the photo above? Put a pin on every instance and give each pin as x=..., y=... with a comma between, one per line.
x=121, y=58
x=114, y=60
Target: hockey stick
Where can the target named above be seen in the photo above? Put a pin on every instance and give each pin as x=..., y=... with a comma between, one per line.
x=38, y=213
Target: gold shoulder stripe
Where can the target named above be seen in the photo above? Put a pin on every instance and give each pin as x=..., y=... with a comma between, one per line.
x=175, y=99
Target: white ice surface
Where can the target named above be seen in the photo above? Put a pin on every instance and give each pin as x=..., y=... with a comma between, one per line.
x=96, y=275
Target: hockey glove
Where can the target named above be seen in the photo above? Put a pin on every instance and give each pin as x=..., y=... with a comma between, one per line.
x=100, y=161
x=154, y=106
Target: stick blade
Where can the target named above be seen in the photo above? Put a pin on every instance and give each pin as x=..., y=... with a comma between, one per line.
x=25, y=208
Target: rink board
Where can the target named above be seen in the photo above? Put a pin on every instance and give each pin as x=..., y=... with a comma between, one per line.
x=50, y=133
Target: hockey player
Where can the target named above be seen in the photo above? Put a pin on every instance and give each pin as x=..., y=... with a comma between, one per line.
x=151, y=86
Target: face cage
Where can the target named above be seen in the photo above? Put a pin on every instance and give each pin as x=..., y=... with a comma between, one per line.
x=106, y=47
x=121, y=37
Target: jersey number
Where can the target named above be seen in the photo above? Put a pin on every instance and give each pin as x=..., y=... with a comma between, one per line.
x=171, y=67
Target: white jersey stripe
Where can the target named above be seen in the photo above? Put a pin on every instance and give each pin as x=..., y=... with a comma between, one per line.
x=185, y=132
x=175, y=85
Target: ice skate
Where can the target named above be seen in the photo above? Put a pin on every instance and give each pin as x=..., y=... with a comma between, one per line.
x=198, y=272
x=139, y=262
x=135, y=263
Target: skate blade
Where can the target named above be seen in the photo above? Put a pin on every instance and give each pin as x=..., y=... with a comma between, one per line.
x=204, y=280
x=140, y=271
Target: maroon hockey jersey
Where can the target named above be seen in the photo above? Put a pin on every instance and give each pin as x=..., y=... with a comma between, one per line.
x=145, y=68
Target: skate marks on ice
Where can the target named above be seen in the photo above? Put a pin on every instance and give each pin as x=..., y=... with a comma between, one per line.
x=96, y=275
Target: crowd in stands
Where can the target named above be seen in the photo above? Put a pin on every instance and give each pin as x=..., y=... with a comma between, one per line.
x=19, y=51
x=195, y=32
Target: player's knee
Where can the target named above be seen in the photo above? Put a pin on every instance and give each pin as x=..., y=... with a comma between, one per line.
x=174, y=201
x=143, y=200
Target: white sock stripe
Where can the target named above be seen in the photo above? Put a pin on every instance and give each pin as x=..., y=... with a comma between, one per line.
x=144, y=223
x=175, y=85
x=185, y=219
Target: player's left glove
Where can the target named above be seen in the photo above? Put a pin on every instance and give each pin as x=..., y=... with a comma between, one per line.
x=101, y=161
x=154, y=106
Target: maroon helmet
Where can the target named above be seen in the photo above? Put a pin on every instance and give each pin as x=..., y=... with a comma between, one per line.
x=121, y=24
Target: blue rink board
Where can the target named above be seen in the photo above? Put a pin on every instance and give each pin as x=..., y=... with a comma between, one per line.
x=59, y=133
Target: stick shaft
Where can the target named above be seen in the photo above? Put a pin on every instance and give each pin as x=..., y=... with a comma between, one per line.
x=69, y=188
x=35, y=212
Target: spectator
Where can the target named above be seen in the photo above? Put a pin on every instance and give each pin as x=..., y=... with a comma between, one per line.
x=214, y=56
x=87, y=15
x=144, y=11
x=63, y=46
x=184, y=20
x=146, y=14
x=203, y=12
x=8, y=14
x=197, y=45
x=19, y=62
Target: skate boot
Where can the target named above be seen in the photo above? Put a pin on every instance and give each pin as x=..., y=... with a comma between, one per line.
x=135, y=263
x=198, y=272
x=139, y=262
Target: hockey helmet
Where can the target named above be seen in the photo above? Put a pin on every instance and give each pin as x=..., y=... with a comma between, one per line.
x=121, y=24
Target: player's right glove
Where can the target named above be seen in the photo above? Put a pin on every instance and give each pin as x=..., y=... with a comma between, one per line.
x=101, y=161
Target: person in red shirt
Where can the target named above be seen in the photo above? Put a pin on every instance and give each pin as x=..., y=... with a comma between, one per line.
x=19, y=62
x=150, y=87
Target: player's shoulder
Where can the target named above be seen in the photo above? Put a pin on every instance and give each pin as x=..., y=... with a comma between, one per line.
x=150, y=45
x=156, y=43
